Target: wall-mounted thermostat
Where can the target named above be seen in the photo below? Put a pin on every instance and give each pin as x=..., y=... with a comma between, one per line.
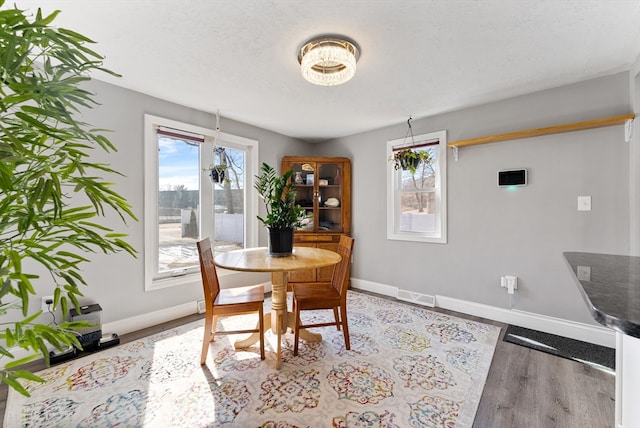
x=512, y=177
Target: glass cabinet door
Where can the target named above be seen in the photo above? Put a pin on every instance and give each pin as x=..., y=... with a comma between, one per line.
x=329, y=197
x=319, y=191
x=304, y=179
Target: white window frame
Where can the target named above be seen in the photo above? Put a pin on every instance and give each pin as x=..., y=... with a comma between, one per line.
x=393, y=195
x=151, y=175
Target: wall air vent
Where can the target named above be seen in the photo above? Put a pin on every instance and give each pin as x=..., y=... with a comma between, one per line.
x=420, y=299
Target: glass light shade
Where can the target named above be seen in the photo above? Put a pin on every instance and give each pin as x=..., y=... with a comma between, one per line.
x=328, y=62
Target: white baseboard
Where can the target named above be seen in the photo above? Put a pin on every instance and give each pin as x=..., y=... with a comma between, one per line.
x=558, y=326
x=374, y=287
x=150, y=319
x=561, y=327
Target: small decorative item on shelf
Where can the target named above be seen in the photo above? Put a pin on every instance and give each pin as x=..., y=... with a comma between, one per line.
x=407, y=158
x=298, y=178
x=332, y=202
x=284, y=215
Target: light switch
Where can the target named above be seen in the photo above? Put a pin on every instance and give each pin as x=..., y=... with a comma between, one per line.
x=584, y=203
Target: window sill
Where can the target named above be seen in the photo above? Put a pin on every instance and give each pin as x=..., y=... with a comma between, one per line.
x=188, y=279
x=415, y=237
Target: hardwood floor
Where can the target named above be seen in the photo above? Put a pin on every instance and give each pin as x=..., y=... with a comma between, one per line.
x=529, y=388
x=525, y=388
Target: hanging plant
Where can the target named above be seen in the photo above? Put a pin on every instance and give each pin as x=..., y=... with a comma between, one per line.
x=217, y=173
x=409, y=159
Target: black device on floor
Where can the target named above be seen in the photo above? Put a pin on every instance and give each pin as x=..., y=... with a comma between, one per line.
x=57, y=356
x=108, y=341
x=91, y=338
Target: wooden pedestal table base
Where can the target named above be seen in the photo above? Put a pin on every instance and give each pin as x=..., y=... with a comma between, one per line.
x=279, y=319
x=258, y=260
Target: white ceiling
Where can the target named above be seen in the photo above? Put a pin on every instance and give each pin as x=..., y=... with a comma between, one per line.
x=417, y=58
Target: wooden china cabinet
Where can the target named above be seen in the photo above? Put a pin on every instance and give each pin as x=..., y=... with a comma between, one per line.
x=323, y=187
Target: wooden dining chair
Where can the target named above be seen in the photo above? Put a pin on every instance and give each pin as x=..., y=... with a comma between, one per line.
x=226, y=302
x=326, y=295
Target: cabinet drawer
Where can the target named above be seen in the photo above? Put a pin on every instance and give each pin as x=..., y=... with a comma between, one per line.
x=316, y=238
x=325, y=238
x=305, y=238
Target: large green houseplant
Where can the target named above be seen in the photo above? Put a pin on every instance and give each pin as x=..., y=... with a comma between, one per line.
x=283, y=214
x=51, y=192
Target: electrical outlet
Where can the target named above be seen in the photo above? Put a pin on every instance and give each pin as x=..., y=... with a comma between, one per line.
x=584, y=273
x=47, y=303
x=509, y=282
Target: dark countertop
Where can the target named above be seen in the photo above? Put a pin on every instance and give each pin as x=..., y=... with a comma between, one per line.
x=610, y=285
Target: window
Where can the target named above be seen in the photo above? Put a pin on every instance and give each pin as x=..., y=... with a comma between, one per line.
x=198, y=184
x=417, y=203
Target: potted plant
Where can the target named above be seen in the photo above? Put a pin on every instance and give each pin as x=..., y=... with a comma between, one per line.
x=409, y=159
x=284, y=215
x=53, y=189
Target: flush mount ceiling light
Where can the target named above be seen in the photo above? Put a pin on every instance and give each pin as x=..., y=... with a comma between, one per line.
x=328, y=61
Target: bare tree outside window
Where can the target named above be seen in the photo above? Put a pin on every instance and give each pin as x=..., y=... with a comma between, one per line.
x=423, y=179
x=417, y=196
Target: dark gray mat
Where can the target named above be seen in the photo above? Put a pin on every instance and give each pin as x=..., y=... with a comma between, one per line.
x=587, y=353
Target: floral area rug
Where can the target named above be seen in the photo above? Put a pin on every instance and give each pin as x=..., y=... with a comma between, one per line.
x=407, y=367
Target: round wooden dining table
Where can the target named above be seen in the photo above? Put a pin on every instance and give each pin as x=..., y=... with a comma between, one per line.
x=259, y=260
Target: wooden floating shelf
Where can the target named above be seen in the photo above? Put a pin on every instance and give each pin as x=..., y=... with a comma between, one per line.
x=577, y=126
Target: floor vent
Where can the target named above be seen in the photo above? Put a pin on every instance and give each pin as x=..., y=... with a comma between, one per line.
x=420, y=299
x=201, y=308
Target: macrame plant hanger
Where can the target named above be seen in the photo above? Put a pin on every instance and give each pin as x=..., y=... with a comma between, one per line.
x=409, y=132
x=217, y=171
x=407, y=145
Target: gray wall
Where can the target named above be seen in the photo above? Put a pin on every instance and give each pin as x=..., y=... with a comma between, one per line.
x=493, y=231
x=117, y=281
